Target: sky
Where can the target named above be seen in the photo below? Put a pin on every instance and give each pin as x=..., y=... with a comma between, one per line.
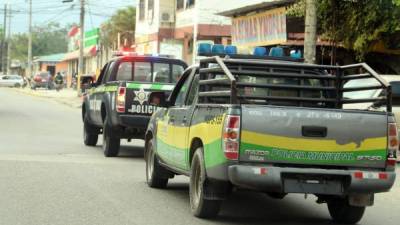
x=45, y=11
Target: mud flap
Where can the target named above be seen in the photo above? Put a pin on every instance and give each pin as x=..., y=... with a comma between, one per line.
x=361, y=199
x=216, y=190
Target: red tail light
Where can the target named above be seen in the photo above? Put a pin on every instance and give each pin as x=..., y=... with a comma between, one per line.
x=231, y=137
x=120, y=104
x=393, y=146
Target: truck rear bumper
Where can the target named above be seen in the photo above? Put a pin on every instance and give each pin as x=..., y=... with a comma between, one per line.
x=134, y=121
x=310, y=180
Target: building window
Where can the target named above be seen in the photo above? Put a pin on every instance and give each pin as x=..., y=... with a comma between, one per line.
x=180, y=4
x=151, y=5
x=190, y=3
x=141, y=10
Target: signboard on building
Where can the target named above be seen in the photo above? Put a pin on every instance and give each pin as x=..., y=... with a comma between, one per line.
x=92, y=37
x=266, y=28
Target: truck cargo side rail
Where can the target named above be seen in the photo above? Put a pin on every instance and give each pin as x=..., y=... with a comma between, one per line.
x=237, y=81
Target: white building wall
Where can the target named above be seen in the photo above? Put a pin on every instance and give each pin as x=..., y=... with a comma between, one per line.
x=168, y=7
x=207, y=10
x=152, y=21
x=185, y=18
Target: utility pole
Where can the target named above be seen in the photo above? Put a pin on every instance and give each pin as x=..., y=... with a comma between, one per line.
x=81, y=45
x=9, y=41
x=29, y=70
x=3, y=42
x=195, y=32
x=310, y=37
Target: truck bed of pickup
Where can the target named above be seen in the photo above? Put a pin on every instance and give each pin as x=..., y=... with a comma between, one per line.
x=276, y=127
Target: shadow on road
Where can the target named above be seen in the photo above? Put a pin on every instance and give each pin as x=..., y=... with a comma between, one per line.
x=131, y=152
x=127, y=151
x=247, y=207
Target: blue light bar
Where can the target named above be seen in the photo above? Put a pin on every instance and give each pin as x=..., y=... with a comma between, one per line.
x=204, y=48
x=218, y=49
x=260, y=51
x=231, y=50
x=295, y=54
x=276, y=52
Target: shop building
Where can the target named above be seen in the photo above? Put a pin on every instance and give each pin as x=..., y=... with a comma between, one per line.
x=175, y=27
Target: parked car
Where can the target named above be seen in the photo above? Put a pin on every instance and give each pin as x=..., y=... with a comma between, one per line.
x=41, y=80
x=393, y=80
x=11, y=81
x=276, y=127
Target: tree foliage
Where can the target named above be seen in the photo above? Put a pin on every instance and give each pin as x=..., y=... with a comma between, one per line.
x=356, y=24
x=123, y=22
x=46, y=39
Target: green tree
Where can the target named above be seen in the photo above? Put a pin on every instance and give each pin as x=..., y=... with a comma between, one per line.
x=46, y=39
x=123, y=22
x=357, y=24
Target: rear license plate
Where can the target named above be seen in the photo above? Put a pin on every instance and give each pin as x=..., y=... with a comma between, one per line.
x=313, y=186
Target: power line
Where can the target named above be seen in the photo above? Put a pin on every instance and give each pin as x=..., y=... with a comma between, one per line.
x=56, y=17
x=90, y=14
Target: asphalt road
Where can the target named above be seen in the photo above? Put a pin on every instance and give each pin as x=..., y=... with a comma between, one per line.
x=47, y=176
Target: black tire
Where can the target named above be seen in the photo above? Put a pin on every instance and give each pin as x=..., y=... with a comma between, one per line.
x=201, y=207
x=111, y=144
x=155, y=173
x=342, y=212
x=17, y=85
x=90, y=138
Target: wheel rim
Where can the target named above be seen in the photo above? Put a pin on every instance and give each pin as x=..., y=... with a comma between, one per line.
x=150, y=163
x=197, y=184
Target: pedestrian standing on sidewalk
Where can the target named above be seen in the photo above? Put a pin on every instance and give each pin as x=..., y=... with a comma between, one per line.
x=59, y=81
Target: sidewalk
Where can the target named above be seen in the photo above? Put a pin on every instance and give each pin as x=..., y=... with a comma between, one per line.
x=65, y=96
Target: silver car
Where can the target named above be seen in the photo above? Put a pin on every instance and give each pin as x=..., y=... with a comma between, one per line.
x=11, y=81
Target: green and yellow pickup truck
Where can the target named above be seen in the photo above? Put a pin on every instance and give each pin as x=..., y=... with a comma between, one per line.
x=118, y=106
x=277, y=127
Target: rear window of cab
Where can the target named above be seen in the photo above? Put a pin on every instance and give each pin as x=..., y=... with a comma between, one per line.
x=158, y=72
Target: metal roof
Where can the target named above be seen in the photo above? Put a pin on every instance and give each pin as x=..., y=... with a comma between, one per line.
x=255, y=7
x=51, y=58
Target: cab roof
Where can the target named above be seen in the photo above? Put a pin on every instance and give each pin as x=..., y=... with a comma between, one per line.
x=145, y=58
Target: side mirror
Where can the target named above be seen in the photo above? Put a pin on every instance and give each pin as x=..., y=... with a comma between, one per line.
x=159, y=99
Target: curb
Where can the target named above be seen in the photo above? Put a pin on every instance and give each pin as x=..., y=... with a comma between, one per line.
x=74, y=102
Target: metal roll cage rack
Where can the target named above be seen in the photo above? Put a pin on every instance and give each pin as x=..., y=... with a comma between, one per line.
x=333, y=77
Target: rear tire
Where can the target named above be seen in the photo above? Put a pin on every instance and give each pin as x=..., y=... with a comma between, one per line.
x=89, y=138
x=200, y=206
x=342, y=212
x=155, y=173
x=110, y=144
x=17, y=85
